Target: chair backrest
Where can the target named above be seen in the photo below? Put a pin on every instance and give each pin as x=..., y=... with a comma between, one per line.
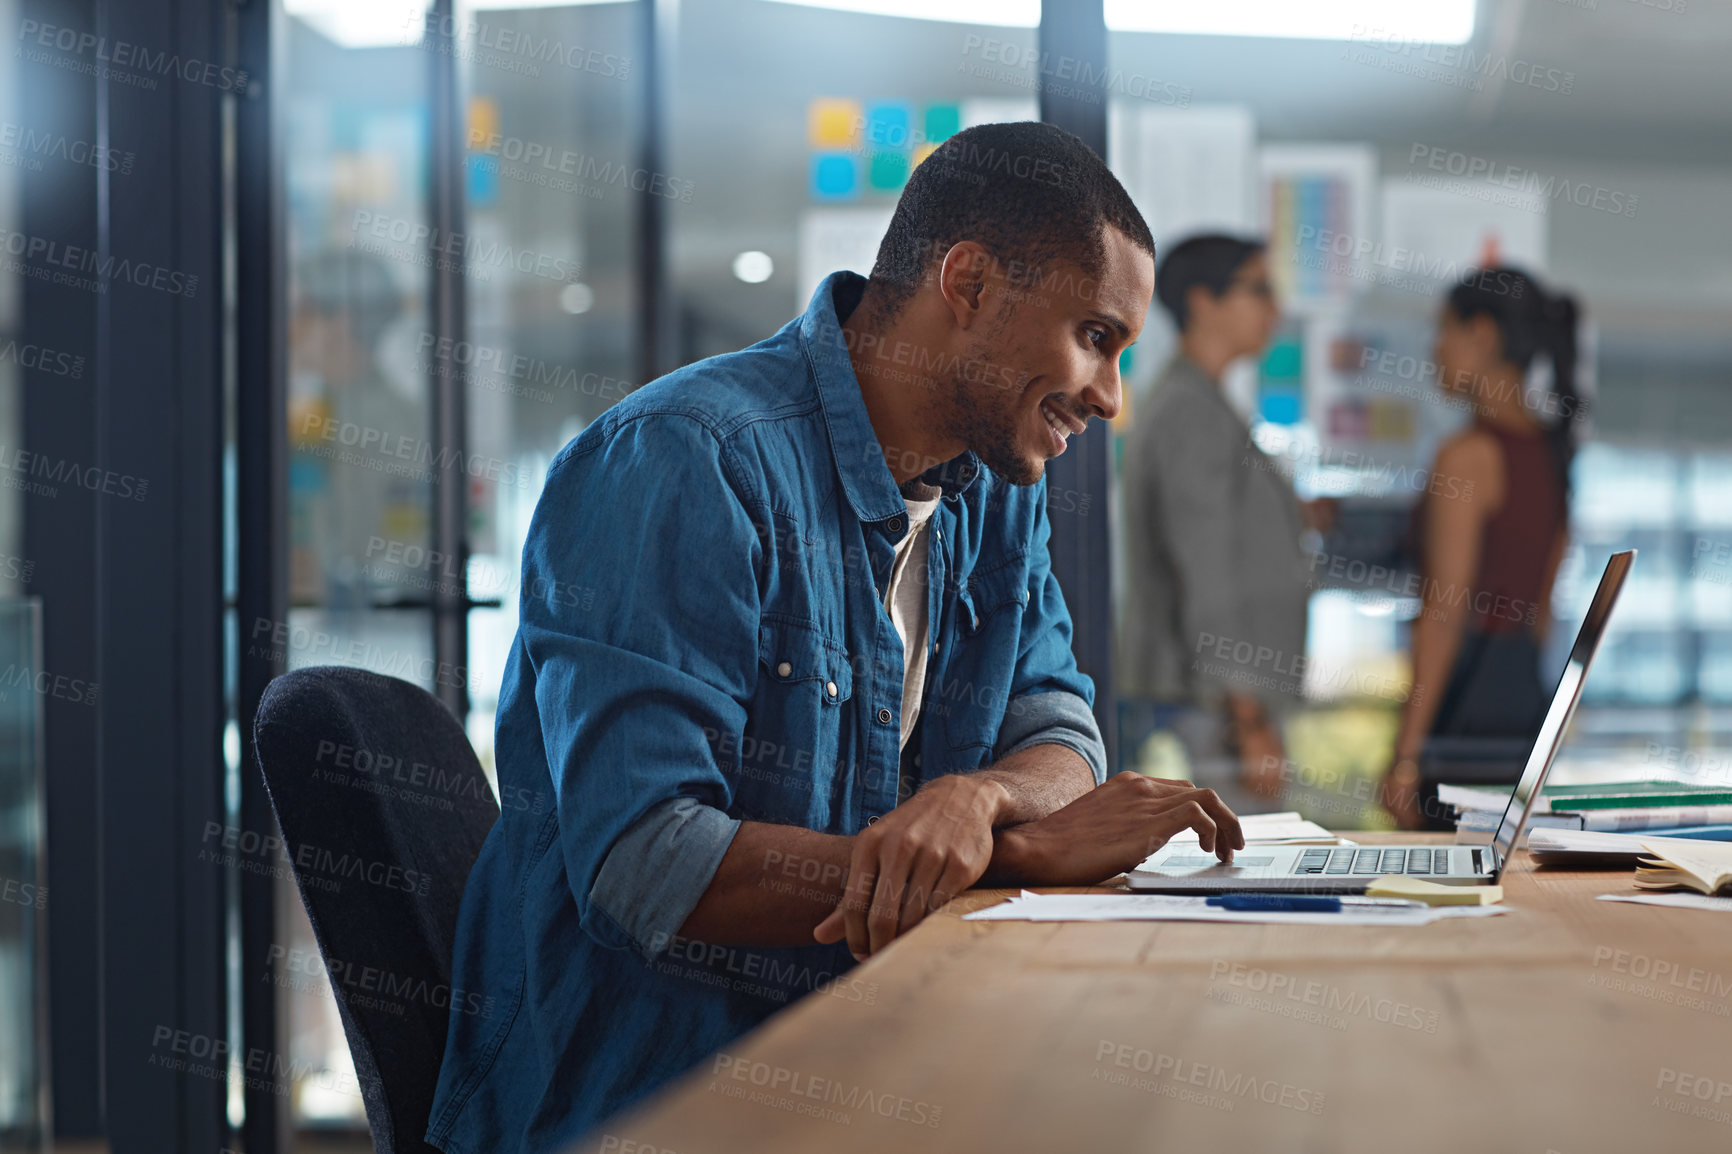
x=383, y=808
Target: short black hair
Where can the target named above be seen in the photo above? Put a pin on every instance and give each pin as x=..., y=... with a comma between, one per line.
x=1211, y=260
x=1028, y=192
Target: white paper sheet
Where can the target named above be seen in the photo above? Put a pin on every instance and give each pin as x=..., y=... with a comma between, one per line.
x=1286, y=828
x=1683, y=901
x=1560, y=843
x=1185, y=908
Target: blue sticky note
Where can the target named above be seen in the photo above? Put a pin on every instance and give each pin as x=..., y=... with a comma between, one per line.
x=1282, y=406
x=888, y=128
x=834, y=176
x=483, y=191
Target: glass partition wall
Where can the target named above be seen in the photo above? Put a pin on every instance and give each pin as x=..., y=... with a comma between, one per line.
x=23, y=887
x=530, y=235
x=24, y=1089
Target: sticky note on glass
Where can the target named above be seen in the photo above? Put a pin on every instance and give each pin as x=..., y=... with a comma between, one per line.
x=1431, y=893
x=833, y=123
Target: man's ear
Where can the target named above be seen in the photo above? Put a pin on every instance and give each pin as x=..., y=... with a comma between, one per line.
x=962, y=279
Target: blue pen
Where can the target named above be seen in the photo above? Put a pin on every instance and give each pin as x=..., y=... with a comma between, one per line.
x=1296, y=903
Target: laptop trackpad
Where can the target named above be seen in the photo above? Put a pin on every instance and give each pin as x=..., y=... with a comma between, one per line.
x=1197, y=861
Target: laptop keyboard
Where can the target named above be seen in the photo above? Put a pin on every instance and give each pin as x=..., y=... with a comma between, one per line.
x=1419, y=862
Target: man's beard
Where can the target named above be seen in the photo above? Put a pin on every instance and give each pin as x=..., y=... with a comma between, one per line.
x=984, y=417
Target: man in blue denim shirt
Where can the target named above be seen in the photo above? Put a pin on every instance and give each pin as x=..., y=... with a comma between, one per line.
x=710, y=811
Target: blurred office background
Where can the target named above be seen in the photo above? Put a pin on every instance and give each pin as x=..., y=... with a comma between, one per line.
x=430, y=242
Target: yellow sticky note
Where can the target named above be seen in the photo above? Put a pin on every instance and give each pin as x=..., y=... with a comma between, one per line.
x=832, y=122
x=1431, y=893
x=483, y=122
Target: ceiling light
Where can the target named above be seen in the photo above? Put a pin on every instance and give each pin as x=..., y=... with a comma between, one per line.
x=1007, y=13
x=576, y=298
x=376, y=24
x=1411, y=21
x=754, y=267
x=485, y=5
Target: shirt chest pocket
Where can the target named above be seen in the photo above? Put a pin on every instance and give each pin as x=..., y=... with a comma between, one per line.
x=982, y=594
x=985, y=632
x=794, y=732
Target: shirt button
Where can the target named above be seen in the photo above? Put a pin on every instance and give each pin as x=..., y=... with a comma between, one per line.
x=884, y=717
x=784, y=669
x=895, y=525
x=830, y=688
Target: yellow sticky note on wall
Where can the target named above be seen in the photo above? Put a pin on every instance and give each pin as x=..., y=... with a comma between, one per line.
x=483, y=122
x=833, y=123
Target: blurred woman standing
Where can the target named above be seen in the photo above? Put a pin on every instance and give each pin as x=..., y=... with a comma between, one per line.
x=1490, y=553
x=1214, y=567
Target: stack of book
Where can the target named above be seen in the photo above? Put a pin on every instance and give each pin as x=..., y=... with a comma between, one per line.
x=1662, y=808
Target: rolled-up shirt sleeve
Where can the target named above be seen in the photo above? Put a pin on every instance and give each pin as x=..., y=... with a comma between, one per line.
x=1057, y=718
x=1051, y=701
x=639, y=616
x=659, y=867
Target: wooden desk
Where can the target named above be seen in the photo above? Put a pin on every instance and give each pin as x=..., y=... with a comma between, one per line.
x=1533, y=1031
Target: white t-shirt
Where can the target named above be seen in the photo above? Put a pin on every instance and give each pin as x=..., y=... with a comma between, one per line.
x=905, y=600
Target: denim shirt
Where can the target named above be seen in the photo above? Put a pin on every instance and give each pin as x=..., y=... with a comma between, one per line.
x=703, y=641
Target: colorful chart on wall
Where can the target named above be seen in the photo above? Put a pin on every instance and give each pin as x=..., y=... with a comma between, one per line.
x=1316, y=212
x=1368, y=423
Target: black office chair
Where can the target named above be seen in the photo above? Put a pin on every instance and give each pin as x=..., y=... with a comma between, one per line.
x=376, y=769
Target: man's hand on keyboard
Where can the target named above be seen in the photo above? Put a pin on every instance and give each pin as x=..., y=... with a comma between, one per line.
x=1111, y=829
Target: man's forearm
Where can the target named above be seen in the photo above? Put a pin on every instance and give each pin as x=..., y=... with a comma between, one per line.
x=775, y=884
x=1040, y=780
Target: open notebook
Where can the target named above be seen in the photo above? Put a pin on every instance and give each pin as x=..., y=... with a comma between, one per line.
x=1671, y=865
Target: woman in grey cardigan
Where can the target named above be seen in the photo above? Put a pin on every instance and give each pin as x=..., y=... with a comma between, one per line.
x=1213, y=636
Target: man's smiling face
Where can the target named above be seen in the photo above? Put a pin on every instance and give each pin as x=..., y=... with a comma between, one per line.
x=1047, y=358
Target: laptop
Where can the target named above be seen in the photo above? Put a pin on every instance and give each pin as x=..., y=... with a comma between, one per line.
x=1183, y=868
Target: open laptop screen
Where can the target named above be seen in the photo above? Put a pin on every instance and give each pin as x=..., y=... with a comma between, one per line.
x=1562, y=708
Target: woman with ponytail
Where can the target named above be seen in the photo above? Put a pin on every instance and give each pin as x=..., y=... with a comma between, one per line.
x=1491, y=530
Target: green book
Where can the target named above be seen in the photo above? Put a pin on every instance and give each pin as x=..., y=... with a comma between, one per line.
x=1605, y=795
x=1631, y=795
